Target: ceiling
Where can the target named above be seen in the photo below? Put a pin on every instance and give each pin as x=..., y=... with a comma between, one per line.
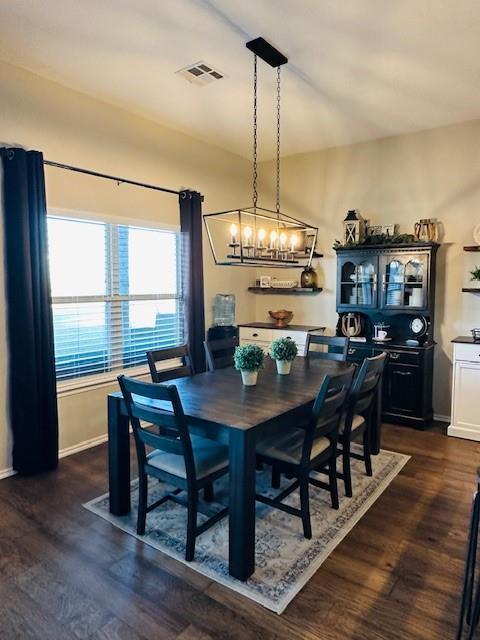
x=358, y=69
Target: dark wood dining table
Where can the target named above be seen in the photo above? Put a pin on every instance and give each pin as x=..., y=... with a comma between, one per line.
x=219, y=407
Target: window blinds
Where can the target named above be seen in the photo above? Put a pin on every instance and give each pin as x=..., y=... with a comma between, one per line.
x=116, y=293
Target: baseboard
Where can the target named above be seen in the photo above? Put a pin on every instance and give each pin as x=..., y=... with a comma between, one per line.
x=441, y=418
x=463, y=432
x=81, y=446
x=6, y=473
x=63, y=453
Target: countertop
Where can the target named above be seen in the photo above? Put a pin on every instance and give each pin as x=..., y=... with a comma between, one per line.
x=465, y=340
x=271, y=325
x=392, y=344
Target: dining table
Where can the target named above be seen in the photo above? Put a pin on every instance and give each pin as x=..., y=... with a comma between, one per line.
x=218, y=406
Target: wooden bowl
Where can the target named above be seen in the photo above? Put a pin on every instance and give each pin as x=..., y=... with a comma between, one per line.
x=282, y=317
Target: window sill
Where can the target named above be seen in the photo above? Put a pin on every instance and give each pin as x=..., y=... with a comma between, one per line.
x=90, y=383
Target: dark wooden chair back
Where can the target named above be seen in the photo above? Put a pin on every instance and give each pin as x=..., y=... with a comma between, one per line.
x=327, y=411
x=365, y=385
x=161, y=355
x=174, y=436
x=339, y=343
x=219, y=353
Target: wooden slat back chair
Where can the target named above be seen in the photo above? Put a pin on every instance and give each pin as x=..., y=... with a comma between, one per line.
x=187, y=462
x=359, y=415
x=302, y=450
x=219, y=353
x=161, y=355
x=339, y=343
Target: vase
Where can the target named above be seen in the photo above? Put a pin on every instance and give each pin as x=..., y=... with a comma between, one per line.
x=308, y=278
x=283, y=367
x=249, y=378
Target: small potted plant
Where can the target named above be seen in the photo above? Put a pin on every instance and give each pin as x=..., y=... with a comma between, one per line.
x=475, y=274
x=283, y=351
x=248, y=359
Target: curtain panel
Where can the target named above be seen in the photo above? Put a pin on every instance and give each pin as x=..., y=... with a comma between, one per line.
x=31, y=358
x=191, y=228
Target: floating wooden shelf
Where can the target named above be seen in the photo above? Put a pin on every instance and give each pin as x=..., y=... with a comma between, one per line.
x=284, y=292
x=471, y=290
x=472, y=247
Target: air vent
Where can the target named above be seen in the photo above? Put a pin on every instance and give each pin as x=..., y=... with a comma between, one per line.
x=200, y=73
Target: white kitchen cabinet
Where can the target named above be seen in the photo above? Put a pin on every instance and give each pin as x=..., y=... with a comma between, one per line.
x=466, y=389
x=263, y=334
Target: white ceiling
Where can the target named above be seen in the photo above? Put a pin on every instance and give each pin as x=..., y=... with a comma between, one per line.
x=358, y=69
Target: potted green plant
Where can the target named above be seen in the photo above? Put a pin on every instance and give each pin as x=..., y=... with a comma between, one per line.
x=248, y=359
x=475, y=274
x=283, y=351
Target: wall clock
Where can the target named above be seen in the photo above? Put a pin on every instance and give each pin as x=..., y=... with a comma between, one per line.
x=418, y=326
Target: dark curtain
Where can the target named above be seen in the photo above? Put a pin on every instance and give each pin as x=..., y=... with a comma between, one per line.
x=31, y=360
x=191, y=227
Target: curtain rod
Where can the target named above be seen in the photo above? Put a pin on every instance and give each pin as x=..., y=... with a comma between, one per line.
x=107, y=177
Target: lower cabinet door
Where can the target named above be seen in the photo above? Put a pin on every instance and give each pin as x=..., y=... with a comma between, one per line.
x=402, y=390
x=466, y=408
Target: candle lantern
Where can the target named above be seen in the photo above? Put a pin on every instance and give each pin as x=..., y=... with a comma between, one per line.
x=353, y=227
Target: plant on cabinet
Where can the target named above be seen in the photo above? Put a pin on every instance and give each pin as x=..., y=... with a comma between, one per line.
x=475, y=274
x=283, y=351
x=248, y=359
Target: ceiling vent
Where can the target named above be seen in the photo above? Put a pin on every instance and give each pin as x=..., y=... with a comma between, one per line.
x=200, y=73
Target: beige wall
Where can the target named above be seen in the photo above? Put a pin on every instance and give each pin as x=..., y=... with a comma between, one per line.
x=399, y=179
x=74, y=129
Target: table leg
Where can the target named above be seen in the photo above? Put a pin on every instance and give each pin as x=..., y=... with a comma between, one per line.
x=242, y=504
x=118, y=458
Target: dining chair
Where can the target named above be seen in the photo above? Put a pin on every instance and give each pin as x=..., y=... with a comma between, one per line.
x=358, y=417
x=336, y=347
x=307, y=448
x=188, y=462
x=219, y=353
x=171, y=353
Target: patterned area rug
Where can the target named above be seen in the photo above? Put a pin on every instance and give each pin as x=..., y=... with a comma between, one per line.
x=285, y=560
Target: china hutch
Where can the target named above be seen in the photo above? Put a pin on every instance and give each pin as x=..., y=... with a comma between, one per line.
x=392, y=287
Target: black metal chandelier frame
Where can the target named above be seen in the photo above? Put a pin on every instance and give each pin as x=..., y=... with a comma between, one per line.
x=279, y=251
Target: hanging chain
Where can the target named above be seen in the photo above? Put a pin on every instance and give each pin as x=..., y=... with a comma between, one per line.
x=255, y=169
x=278, y=139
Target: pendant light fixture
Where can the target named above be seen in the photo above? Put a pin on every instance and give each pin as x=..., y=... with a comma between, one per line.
x=255, y=236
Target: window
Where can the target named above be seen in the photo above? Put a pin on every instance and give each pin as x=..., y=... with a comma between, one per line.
x=116, y=293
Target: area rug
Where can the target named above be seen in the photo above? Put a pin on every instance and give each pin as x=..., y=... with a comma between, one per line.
x=285, y=560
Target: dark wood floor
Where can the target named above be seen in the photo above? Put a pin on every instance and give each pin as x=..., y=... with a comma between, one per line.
x=65, y=573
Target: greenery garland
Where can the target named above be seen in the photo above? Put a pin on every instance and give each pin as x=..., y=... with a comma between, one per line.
x=379, y=238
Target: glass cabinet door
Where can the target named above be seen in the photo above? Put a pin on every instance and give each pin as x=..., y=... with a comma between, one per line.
x=358, y=282
x=404, y=281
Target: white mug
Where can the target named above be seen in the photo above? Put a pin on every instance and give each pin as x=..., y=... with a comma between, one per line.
x=381, y=334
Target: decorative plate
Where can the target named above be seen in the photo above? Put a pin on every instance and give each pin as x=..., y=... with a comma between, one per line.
x=476, y=234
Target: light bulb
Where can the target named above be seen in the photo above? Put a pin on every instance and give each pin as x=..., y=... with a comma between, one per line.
x=283, y=240
x=293, y=241
x=248, y=233
x=273, y=237
x=233, y=233
x=261, y=237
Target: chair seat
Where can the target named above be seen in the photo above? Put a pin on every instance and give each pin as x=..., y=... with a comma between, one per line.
x=357, y=422
x=209, y=456
x=288, y=447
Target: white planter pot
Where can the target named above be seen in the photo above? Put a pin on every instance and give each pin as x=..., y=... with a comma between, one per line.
x=283, y=367
x=249, y=378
